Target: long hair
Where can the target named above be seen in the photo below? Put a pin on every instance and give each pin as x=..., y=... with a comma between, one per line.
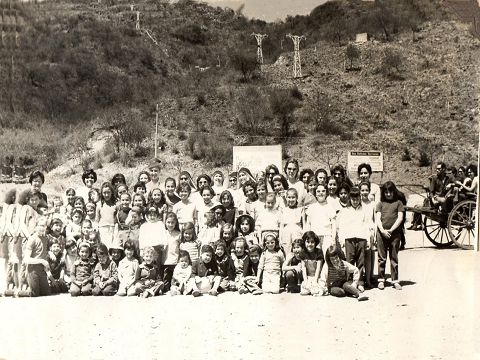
x=112, y=198
x=390, y=187
x=333, y=250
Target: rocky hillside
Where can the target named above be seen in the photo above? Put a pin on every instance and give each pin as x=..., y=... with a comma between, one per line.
x=412, y=88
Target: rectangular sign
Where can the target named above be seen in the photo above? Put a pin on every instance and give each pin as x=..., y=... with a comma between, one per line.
x=257, y=158
x=374, y=158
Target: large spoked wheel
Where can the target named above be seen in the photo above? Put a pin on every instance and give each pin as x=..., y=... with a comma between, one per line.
x=461, y=224
x=437, y=232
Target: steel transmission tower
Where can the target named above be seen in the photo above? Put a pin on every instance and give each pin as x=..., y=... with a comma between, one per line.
x=259, y=38
x=297, y=64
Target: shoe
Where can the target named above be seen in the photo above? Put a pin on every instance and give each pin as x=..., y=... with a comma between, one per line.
x=361, y=288
x=196, y=293
x=304, y=292
x=397, y=286
x=213, y=292
x=242, y=291
x=174, y=292
x=412, y=227
x=362, y=298
x=9, y=292
x=257, y=292
x=381, y=285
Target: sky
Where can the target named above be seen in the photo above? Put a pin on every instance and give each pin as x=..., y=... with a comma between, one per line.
x=270, y=10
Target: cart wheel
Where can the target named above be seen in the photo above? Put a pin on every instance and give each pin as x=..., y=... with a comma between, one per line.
x=461, y=224
x=436, y=232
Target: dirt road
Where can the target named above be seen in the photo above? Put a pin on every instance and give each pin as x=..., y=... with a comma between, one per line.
x=435, y=316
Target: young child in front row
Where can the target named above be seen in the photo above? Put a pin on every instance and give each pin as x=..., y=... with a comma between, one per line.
x=148, y=276
x=204, y=278
x=250, y=280
x=56, y=263
x=71, y=255
x=181, y=274
x=292, y=267
x=240, y=260
x=334, y=278
x=127, y=271
x=105, y=275
x=311, y=265
x=82, y=272
x=270, y=266
x=226, y=268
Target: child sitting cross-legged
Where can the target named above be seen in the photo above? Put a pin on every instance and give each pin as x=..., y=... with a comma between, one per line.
x=204, y=278
x=250, y=282
x=82, y=272
x=148, y=276
x=105, y=275
x=334, y=276
x=181, y=274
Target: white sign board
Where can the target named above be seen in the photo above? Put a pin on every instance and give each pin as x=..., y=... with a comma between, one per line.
x=257, y=158
x=361, y=38
x=374, y=158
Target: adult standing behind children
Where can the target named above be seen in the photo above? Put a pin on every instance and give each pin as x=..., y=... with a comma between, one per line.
x=154, y=170
x=36, y=180
x=89, y=177
x=291, y=170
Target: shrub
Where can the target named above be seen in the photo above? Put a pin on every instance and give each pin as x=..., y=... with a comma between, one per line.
x=191, y=33
x=352, y=53
x=254, y=115
x=424, y=159
x=283, y=105
x=406, y=155
x=392, y=62
x=296, y=93
x=182, y=136
x=244, y=62
x=126, y=157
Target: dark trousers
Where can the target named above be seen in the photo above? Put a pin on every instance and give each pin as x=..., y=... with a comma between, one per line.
x=292, y=278
x=355, y=253
x=167, y=274
x=58, y=286
x=345, y=290
x=108, y=290
x=38, y=281
x=390, y=247
x=85, y=290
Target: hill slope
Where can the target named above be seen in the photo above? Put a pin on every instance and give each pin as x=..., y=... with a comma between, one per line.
x=80, y=65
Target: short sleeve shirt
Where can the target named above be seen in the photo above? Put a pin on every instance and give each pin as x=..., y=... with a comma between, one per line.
x=389, y=212
x=37, y=247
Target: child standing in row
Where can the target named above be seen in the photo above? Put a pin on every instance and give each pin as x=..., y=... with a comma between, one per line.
x=172, y=239
x=270, y=266
x=389, y=217
x=189, y=242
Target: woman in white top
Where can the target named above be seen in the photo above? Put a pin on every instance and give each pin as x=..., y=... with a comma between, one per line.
x=291, y=171
x=364, y=173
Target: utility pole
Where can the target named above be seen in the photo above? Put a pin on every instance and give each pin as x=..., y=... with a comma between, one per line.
x=156, y=132
x=297, y=64
x=259, y=38
x=137, y=24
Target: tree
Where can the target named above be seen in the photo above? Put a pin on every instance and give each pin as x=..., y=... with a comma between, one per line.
x=254, y=113
x=244, y=62
x=283, y=105
x=392, y=62
x=352, y=53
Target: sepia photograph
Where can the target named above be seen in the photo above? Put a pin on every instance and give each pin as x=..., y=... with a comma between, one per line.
x=239, y=179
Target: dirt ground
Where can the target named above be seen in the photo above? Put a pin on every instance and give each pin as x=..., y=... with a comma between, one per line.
x=435, y=316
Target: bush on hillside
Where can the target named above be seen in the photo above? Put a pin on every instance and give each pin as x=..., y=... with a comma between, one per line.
x=283, y=106
x=191, y=33
x=254, y=115
x=392, y=63
x=244, y=62
x=424, y=159
x=352, y=53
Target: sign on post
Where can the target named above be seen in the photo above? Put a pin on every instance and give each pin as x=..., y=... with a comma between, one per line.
x=374, y=158
x=257, y=158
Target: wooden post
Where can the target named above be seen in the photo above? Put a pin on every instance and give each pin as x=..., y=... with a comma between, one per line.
x=156, y=132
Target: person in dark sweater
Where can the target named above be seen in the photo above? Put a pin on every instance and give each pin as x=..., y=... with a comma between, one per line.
x=204, y=278
x=226, y=268
x=249, y=280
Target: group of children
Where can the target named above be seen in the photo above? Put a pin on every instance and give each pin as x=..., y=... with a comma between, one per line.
x=261, y=234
